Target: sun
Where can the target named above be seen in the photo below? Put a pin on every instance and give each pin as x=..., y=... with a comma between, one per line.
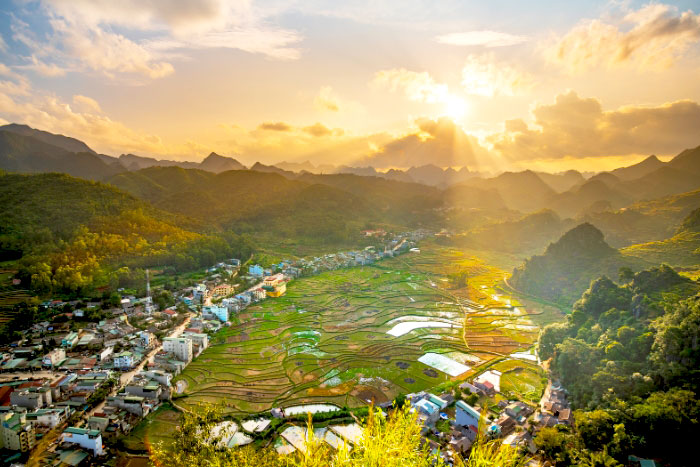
x=455, y=108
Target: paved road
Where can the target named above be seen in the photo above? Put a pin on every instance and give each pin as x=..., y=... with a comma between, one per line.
x=125, y=378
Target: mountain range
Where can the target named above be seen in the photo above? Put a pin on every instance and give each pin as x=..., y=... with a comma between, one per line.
x=605, y=198
x=28, y=150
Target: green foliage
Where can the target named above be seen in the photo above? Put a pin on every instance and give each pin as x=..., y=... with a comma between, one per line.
x=628, y=356
x=387, y=442
x=458, y=279
x=675, y=352
x=567, y=266
x=555, y=444
x=72, y=235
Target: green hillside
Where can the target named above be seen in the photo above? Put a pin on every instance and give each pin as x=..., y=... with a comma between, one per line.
x=567, y=266
x=628, y=358
x=70, y=235
x=683, y=249
x=320, y=208
x=26, y=154
x=528, y=233
x=523, y=191
x=644, y=221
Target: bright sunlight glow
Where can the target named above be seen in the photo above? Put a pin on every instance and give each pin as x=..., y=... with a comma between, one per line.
x=455, y=107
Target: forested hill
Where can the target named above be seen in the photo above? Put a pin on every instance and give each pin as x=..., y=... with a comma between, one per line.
x=27, y=154
x=49, y=207
x=629, y=358
x=682, y=249
x=569, y=264
x=70, y=235
x=253, y=201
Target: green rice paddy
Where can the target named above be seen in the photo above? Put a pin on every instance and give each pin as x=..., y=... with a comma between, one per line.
x=326, y=340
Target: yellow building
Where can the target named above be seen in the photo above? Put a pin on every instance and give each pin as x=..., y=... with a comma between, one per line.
x=223, y=290
x=17, y=433
x=275, y=286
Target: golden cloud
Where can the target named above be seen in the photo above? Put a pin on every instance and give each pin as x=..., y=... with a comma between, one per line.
x=658, y=37
x=50, y=113
x=317, y=130
x=439, y=142
x=275, y=126
x=579, y=127
x=327, y=100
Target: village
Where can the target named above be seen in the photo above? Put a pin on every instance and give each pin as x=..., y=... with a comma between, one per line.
x=72, y=386
x=452, y=420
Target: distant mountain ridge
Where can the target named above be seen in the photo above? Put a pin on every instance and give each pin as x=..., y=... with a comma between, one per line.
x=569, y=194
x=63, y=142
x=30, y=150
x=638, y=170
x=217, y=164
x=27, y=154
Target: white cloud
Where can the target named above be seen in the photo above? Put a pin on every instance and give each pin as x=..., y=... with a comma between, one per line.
x=482, y=75
x=658, y=36
x=86, y=104
x=327, y=100
x=417, y=86
x=105, y=51
x=483, y=38
x=45, y=69
x=151, y=33
x=83, y=119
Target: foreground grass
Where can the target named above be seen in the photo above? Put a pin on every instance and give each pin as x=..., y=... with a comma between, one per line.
x=388, y=442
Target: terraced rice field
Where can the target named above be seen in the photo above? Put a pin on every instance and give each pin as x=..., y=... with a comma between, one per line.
x=157, y=427
x=522, y=379
x=9, y=296
x=327, y=340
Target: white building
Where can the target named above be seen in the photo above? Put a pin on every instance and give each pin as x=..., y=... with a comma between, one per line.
x=48, y=417
x=54, y=357
x=104, y=353
x=162, y=377
x=124, y=360
x=180, y=347
x=88, y=439
x=200, y=341
x=147, y=339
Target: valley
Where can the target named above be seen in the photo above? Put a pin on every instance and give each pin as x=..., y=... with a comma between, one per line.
x=328, y=294
x=368, y=334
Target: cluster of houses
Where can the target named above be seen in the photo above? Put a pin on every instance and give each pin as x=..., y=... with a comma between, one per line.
x=58, y=372
x=461, y=422
x=220, y=300
x=112, y=343
x=80, y=361
x=30, y=407
x=452, y=425
x=554, y=407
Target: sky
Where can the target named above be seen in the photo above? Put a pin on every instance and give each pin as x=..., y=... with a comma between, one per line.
x=498, y=85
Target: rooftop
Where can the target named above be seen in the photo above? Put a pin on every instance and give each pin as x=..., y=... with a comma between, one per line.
x=81, y=431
